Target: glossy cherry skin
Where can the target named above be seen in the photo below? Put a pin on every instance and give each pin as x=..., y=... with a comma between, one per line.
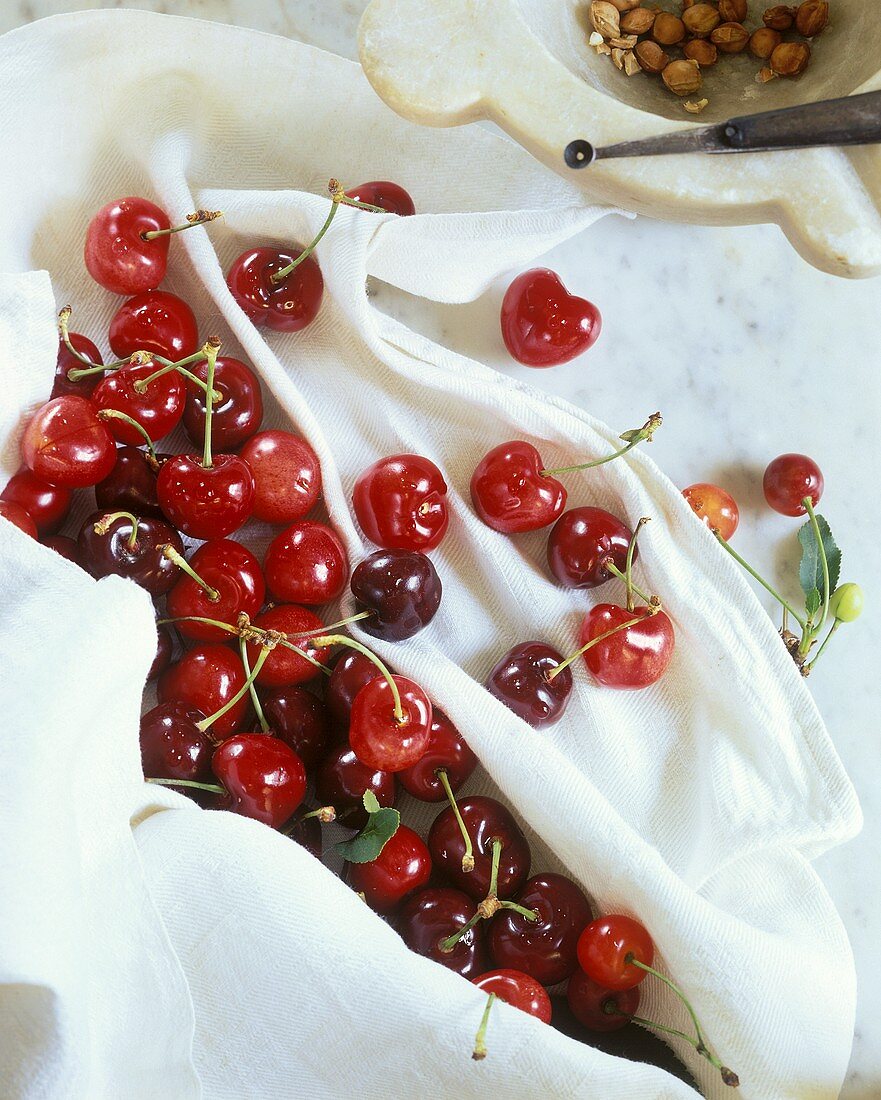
x=582, y=541
x=377, y=738
x=604, y=948
x=284, y=667
x=433, y=915
x=158, y=409
x=306, y=563
x=545, y=949
x=18, y=517
x=164, y=650
x=264, y=776
x=543, y=324
x=509, y=492
x=341, y=780
x=288, y=306
x=590, y=1003
x=287, y=476
x=788, y=480
x=154, y=321
x=206, y=503
x=144, y=563
x=404, y=865
x=46, y=504
x=64, y=546
x=351, y=672
x=298, y=718
x=401, y=588
x=131, y=484
x=447, y=749
x=65, y=362
x=116, y=254
x=517, y=989
x=401, y=504
x=390, y=196
x=66, y=444
x=714, y=506
x=520, y=681
x=173, y=746
x=486, y=819
x=238, y=414
x=233, y=572
x=206, y=678
x=633, y=658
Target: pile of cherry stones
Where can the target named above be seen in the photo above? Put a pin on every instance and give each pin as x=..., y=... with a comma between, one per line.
x=235, y=727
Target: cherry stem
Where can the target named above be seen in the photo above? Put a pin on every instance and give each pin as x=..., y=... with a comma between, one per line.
x=651, y=601
x=198, y=217
x=821, y=549
x=491, y=902
x=115, y=414
x=728, y=1076
x=594, y=641
x=206, y=723
x=479, y=1052
x=210, y=350
x=250, y=633
x=808, y=667
x=447, y=945
x=252, y=687
x=756, y=576
x=92, y=368
x=214, y=788
x=628, y=564
x=632, y=439
x=102, y=526
x=468, y=855
x=325, y=814
x=342, y=639
x=336, y=626
x=169, y=552
x=180, y=366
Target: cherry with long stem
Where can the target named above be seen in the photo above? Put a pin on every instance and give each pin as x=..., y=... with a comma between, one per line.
x=468, y=854
x=479, y=1052
x=756, y=576
x=247, y=630
x=342, y=639
x=168, y=551
x=198, y=217
x=115, y=414
x=632, y=438
x=103, y=525
x=653, y=609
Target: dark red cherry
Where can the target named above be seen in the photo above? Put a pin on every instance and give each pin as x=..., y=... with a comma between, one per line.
x=379, y=739
x=157, y=322
x=543, y=324
x=131, y=484
x=598, y=1008
x=788, y=480
x=401, y=588
x=286, y=306
x=401, y=504
x=521, y=681
x=112, y=551
x=582, y=541
x=116, y=254
x=164, y=650
x=46, y=504
x=509, y=492
x=64, y=546
x=485, y=820
x=390, y=196
x=173, y=746
x=18, y=517
x=446, y=750
x=307, y=832
x=206, y=678
x=287, y=476
x=283, y=667
x=517, y=989
x=264, y=776
x=65, y=362
x=404, y=865
x=432, y=916
x=66, y=444
x=206, y=502
x=634, y=657
x=306, y=563
x=236, y=416
x=341, y=780
x=298, y=718
x=546, y=949
x=233, y=573
x=607, y=947
x=350, y=673
x=158, y=409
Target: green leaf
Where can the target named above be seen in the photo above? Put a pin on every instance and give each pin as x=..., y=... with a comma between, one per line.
x=382, y=824
x=812, y=603
x=810, y=572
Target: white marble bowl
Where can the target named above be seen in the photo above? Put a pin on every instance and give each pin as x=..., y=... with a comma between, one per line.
x=527, y=67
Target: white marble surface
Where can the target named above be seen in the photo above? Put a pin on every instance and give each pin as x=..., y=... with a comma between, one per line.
x=748, y=352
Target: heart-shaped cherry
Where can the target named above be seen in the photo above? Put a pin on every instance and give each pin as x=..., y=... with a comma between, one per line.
x=46, y=504
x=206, y=678
x=307, y=564
x=401, y=504
x=598, y=1008
x=428, y=918
x=131, y=484
x=238, y=413
x=485, y=820
x=637, y=650
x=582, y=543
x=287, y=476
x=129, y=546
x=157, y=322
x=403, y=865
x=286, y=304
x=517, y=989
x=401, y=588
x=543, y=324
x=447, y=752
x=350, y=673
x=18, y=517
x=391, y=197
x=221, y=579
x=390, y=728
x=299, y=718
x=206, y=502
x=511, y=494
x=66, y=361
x=157, y=409
x=284, y=667
x=264, y=776
x=522, y=680
x=66, y=444
x=173, y=746
x=341, y=780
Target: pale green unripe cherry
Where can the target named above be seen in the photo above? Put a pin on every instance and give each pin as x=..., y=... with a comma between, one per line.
x=846, y=602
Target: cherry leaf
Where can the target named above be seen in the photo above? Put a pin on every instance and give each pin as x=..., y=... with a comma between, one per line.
x=810, y=572
x=382, y=824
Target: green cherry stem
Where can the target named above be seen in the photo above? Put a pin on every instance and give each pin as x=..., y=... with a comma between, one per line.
x=479, y=1052
x=206, y=723
x=252, y=687
x=594, y=641
x=808, y=667
x=210, y=350
x=468, y=854
x=90, y=367
x=728, y=1076
x=756, y=576
x=491, y=904
x=169, y=552
x=198, y=217
x=214, y=788
x=342, y=639
x=631, y=438
x=199, y=619
x=102, y=526
x=824, y=562
x=167, y=366
x=115, y=414
x=337, y=626
x=633, y=961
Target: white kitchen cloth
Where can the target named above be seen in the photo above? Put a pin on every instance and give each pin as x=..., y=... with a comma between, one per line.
x=148, y=949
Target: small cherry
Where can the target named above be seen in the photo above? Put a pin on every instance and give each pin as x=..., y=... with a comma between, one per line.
x=350, y=673
x=172, y=744
x=341, y=780
x=273, y=292
x=388, y=196
x=46, y=504
x=585, y=547
x=287, y=476
x=237, y=414
x=448, y=761
x=206, y=678
x=156, y=404
x=285, y=667
x=402, y=590
x=221, y=580
x=517, y=989
x=543, y=324
x=525, y=679
x=66, y=547
x=298, y=718
x=628, y=648
x=403, y=865
x=306, y=564
x=714, y=506
x=131, y=484
x=511, y=494
x=264, y=776
x=18, y=517
x=125, y=545
x=66, y=444
x=156, y=322
x=598, y=1008
x=390, y=724
x=428, y=918
x=485, y=820
x=75, y=352
x=788, y=480
x=400, y=503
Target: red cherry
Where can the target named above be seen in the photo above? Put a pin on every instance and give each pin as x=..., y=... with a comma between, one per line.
x=46, y=504
x=206, y=678
x=173, y=746
x=788, y=480
x=298, y=718
x=714, y=506
x=66, y=444
x=341, y=780
x=543, y=324
x=65, y=362
x=431, y=916
x=158, y=409
x=64, y=546
x=509, y=492
x=236, y=416
x=486, y=820
x=131, y=484
x=286, y=306
x=233, y=573
x=306, y=563
x=351, y=672
x=401, y=589
x=206, y=502
x=116, y=254
x=400, y=503
x=606, y=947
x=582, y=542
x=521, y=681
x=266, y=778
x=157, y=322
x=446, y=750
x=377, y=737
x=404, y=865
x=18, y=517
x=283, y=666
x=634, y=657
x=164, y=650
x=111, y=552
x=598, y=1008
x=517, y=989
x=390, y=196
x=287, y=476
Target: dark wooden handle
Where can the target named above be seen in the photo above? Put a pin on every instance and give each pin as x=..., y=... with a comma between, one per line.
x=853, y=120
